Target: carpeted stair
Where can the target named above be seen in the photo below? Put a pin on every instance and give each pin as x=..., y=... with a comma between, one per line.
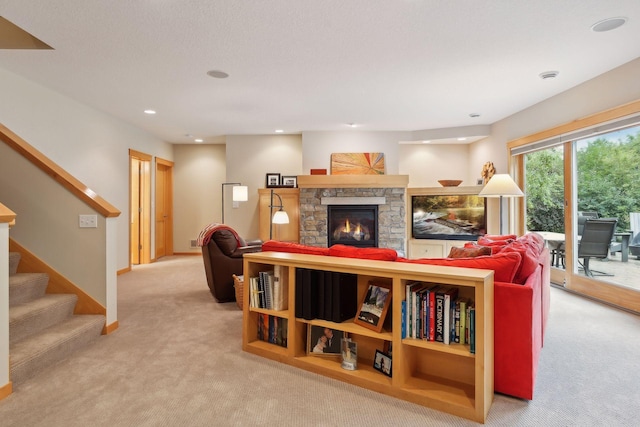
x=42, y=327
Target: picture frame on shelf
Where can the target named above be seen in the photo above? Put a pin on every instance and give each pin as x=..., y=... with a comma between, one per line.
x=273, y=180
x=374, y=306
x=382, y=363
x=388, y=348
x=289, y=181
x=324, y=341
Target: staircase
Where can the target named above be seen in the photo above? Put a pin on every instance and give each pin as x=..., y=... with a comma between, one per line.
x=42, y=327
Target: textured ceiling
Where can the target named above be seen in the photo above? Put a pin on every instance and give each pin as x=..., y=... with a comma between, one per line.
x=310, y=65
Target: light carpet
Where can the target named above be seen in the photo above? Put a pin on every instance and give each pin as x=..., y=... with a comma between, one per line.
x=176, y=360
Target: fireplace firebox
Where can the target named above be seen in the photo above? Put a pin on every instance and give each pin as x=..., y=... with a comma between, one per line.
x=353, y=225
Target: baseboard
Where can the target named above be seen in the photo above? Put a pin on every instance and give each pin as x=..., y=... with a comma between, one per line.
x=6, y=390
x=124, y=270
x=110, y=328
x=188, y=253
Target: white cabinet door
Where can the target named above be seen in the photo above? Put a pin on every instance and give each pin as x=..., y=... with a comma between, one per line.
x=426, y=249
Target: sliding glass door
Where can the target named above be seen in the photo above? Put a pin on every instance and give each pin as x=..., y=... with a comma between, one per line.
x=582, y=193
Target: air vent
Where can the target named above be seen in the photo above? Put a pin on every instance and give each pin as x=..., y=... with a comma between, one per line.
x=549, y=75
x=194, y=243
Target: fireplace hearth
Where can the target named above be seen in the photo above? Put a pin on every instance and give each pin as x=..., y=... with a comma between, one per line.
x=353, y=225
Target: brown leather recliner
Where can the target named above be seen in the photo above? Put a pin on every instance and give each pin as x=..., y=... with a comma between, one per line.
x=222, y=259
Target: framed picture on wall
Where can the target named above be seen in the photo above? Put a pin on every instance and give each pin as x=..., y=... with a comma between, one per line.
x=273, y=180
x=290, y=181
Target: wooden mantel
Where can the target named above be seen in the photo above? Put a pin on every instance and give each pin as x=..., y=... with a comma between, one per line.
x=353, y=181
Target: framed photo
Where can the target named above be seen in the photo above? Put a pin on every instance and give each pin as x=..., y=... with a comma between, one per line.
x=323, y=341
x=374, y=306
x=290, y=181
x=273, y=180
x=388, y=348
x=382, y=363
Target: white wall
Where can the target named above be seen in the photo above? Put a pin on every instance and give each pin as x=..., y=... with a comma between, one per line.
x=426, y=164
x=198, y=173
x=249, y=159
x=317, y=147
x=91, y=145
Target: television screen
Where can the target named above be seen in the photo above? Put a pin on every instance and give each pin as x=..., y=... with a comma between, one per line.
x=448, y=217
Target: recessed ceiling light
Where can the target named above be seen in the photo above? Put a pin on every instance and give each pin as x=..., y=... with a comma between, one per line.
x=549, y=75
x=426, y=142
x=150, y=112
x=198, y=140
x=279, y=131
x=608, y=24
x=353, y=125
x=462, y=139
x=474, y=115
x=217, y=74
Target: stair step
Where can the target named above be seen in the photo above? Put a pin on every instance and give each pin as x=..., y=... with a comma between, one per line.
x=32, y=317
x=40, y=351
x=14, y=260
x=24, y=287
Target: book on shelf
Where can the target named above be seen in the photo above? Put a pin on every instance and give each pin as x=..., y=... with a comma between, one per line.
x=403, y=307
x=325, y=295
x=279, y=297
x=472, y=330
x=450, y=296
x=344, y=295
x=299, y=294
x=272, y=329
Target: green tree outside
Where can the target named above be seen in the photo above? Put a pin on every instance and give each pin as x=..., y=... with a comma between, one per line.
x=608, y=182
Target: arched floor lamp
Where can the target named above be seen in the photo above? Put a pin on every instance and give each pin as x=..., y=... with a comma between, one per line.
x=280, y=217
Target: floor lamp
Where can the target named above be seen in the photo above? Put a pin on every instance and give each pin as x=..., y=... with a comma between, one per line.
x=240, y=194
x=280, y=217
x=501, y=185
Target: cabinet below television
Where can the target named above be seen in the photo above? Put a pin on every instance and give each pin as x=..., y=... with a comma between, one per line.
x=431, y=248
x=447, y=377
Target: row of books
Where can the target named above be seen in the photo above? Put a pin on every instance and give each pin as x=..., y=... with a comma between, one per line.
x=435, y=312
x=272, y=329
x=326, y=295
x=267, y=290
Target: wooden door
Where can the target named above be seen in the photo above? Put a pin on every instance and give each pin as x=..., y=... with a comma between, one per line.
x=140, y=207
x=135, y=211
x=164, y=208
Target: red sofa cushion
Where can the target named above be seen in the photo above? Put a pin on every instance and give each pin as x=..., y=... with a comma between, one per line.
x=504, y=265
x=381, y=254
x=530, y=247
x=297, y=248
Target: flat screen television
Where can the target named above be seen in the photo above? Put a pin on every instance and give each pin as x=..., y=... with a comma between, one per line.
x=448, y=217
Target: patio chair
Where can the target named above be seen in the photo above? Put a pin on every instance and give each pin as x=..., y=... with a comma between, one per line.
x=595, y=242
x=634, y=246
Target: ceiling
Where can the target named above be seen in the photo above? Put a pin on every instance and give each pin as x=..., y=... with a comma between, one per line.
x=309, y=65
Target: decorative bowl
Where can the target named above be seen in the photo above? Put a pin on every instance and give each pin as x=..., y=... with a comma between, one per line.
x=450, y=182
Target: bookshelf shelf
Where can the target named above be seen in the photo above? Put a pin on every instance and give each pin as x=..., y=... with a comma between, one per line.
x=443, y=377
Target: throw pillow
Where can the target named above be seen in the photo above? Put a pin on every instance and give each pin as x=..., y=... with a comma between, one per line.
x=469, y=252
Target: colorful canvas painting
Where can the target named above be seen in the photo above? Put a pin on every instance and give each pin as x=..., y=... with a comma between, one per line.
x=357, y=164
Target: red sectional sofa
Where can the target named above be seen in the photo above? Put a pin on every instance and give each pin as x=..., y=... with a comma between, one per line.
x=521, y=297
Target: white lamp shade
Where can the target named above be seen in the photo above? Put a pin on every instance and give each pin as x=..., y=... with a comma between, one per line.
x=280, y=217
x=240, y=193
x=501, y=185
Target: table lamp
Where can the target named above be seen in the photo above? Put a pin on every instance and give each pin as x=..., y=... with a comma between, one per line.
x=501, y=185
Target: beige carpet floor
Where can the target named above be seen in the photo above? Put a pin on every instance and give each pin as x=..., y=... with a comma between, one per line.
x=176, y=360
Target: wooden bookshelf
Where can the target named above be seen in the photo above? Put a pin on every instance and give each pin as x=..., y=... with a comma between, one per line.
x=448, y=378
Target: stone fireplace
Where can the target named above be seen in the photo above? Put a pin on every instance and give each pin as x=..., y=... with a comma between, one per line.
x=387, y=193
